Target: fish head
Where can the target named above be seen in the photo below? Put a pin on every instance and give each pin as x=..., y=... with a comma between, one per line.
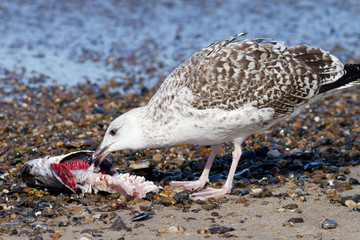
x=65, y=171
x=38, y=172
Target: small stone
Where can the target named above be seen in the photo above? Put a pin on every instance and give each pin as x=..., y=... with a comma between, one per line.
x=173, y=229
x=256, y=191
x=299, y=192
x=137, y=166
x=170, y=229
x=288, y=224
x=180, y=197
x=291, y=206
x=296, y=220
x=98, y=110
x=13, y=231
x=232, y=214
x=318, y=236
x=167, y=201
x=357, y=209
x=353, y=181
x=240, y=192
x=145, y=208
x=248, y=155
x=329, y=224
x=47, y=212
x=210, y=206
x=341, y=177
x=219, y=229
x=181, y=229
x=40, y=227
x=86, y=236
x=241, y=199
x=55, y=235
x=88, y=231
x=199, y=200
x=345, y=170
x=214, y=214
x=38, y=237
x=149, y=196
x=63, y=224
x=350, y=203
x=118, y=225
x=302, y=199
x=273, y=153
x=25, y=232
x=157, y=157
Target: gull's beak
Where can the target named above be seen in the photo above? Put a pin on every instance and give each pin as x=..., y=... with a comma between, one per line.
x=100, y=154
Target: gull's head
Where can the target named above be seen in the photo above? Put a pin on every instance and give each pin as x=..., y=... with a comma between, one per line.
x=125, y=132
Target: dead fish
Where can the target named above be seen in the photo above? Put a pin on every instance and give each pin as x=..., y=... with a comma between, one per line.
x=76, y=172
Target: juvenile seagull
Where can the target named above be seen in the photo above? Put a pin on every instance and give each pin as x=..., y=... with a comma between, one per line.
x=224, y=93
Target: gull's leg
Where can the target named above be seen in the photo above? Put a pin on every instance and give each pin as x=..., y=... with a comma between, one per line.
x=204, y=178
x=213, y=192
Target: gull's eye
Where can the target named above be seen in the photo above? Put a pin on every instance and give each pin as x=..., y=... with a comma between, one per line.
x=112, y=132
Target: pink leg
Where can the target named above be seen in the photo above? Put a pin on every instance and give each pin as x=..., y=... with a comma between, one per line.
x=213, y=192
x=204, y=178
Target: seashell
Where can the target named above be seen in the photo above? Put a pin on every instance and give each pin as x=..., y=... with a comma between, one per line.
x=141, y=216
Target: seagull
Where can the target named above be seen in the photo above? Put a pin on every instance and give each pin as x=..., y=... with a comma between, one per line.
x=226, y=92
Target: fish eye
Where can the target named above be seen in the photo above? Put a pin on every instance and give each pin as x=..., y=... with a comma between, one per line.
x=112, y=132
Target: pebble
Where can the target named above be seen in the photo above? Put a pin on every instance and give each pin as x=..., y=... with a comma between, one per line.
x=329, y=224
x=13, y=231
x=291, y=206
x=40, y=227
x=137, y=166
x=318, y=236
x=86, y=236
x=353, y=181
x=219, y=230
x=145, y=208
x=47, y=212
x=199, y=200
x=214, y=214
x=232, y=214
x=181, y=197
x=240, y=199
x=118, y=225
x=274, y=153
x=171, y=229
x=98, y=110
x=157, y=157
x=296, y=220
x=341, y=177
x=38, y=237
x=256, y=191
x=350, y=203
x=240, y=192
x=25, y=232
x=167, y=201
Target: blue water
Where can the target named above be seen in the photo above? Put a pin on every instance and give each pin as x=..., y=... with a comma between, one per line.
x=140, y=42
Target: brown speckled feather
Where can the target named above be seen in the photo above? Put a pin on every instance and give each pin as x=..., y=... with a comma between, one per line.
x=230, y=73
